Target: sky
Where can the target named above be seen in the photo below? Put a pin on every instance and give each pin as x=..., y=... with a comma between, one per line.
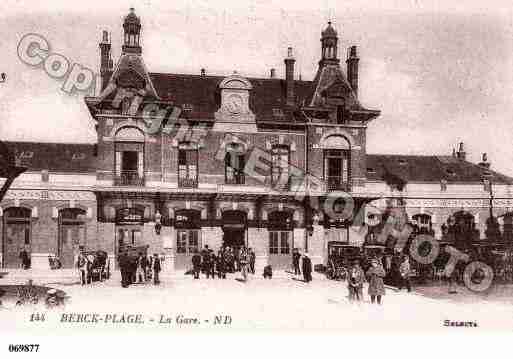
x=440, y=73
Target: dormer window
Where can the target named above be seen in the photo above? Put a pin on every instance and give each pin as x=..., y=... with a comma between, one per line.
x=277, y=112
x=187, y=107
x=402, y=162
x=27, y=154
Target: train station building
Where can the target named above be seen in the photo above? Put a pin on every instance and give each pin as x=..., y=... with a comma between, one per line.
x=187, y=160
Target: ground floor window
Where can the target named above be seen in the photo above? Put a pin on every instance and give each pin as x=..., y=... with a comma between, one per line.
x=187, y=241
x=279, y=242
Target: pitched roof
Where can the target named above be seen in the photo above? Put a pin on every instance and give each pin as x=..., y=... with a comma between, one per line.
x=56, y=157
x=202, y=93
x=429, y=169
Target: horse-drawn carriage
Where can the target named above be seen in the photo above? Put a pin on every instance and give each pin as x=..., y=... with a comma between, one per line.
x=340, y=256
x=98, y=265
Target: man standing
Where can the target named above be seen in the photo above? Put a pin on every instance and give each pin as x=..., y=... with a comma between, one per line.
x=25, y=259
x=196, y=264
x=404, y=270
x=243, y=262
x=220, y=265
x=82, y=267
x=307, y=268
x=252, y=260
x=209, y=264
x=142, y=263
x=295, y=261
x=124, y=264
x=204, y=258
x=156, y=269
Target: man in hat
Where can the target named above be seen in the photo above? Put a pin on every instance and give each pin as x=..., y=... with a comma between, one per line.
x=82, y=265
x=296, y=256
x=404, y=270
x=307, y=268
x=124, y=264
x=142, y=263
x=156, y=269
x=196, y=263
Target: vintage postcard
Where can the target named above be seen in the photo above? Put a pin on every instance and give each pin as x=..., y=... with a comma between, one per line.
x=186, y=166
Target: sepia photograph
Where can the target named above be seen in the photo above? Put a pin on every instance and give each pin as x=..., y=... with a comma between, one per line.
x=192, y=166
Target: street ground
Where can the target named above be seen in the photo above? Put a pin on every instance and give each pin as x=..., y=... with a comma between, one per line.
x=283, y=302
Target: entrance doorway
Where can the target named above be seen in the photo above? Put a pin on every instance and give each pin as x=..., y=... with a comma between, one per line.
x=234, y=229
x=188, y=236
x=128, y=235
x=16, y=236
x=280, y=225
x=72, y=235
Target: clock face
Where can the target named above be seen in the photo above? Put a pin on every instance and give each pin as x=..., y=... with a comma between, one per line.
x=234, y=104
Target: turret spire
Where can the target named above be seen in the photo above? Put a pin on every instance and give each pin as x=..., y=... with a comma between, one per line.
x=132, y=31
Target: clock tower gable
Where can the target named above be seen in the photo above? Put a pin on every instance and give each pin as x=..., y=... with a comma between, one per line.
x=234, y=114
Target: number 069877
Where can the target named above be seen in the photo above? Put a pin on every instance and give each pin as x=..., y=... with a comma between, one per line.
x=23, y=348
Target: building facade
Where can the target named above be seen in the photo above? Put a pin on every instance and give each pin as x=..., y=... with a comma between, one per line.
x=183, y=161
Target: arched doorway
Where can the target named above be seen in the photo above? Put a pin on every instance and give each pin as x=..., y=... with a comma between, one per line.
x=72, y=235
x=188, y=236
x=16, y=236
x=281, y=226
x=234, y=229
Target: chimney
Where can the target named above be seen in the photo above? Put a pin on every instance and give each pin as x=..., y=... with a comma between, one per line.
x=484, y=162
x=289, y=77
x=273, y=73
x=203, y=72
x=461, y=154
x=106, y=64
x=352, y=68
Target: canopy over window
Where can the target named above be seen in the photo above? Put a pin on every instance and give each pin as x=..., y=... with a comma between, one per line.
x=335, y=142
x=130, y=134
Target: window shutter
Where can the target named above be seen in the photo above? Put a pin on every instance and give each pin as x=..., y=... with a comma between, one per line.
x=118, y=163
x=140, y=164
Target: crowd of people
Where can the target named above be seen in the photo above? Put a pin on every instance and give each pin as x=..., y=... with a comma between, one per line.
x=226, y=260
x=140, y=269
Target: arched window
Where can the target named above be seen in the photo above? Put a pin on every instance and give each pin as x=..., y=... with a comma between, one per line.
x=129, y=158
x=16, y=238
x=280, y=162
x=188, y=164
x=337, y=163
x=72, y=235
x=234, y=163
